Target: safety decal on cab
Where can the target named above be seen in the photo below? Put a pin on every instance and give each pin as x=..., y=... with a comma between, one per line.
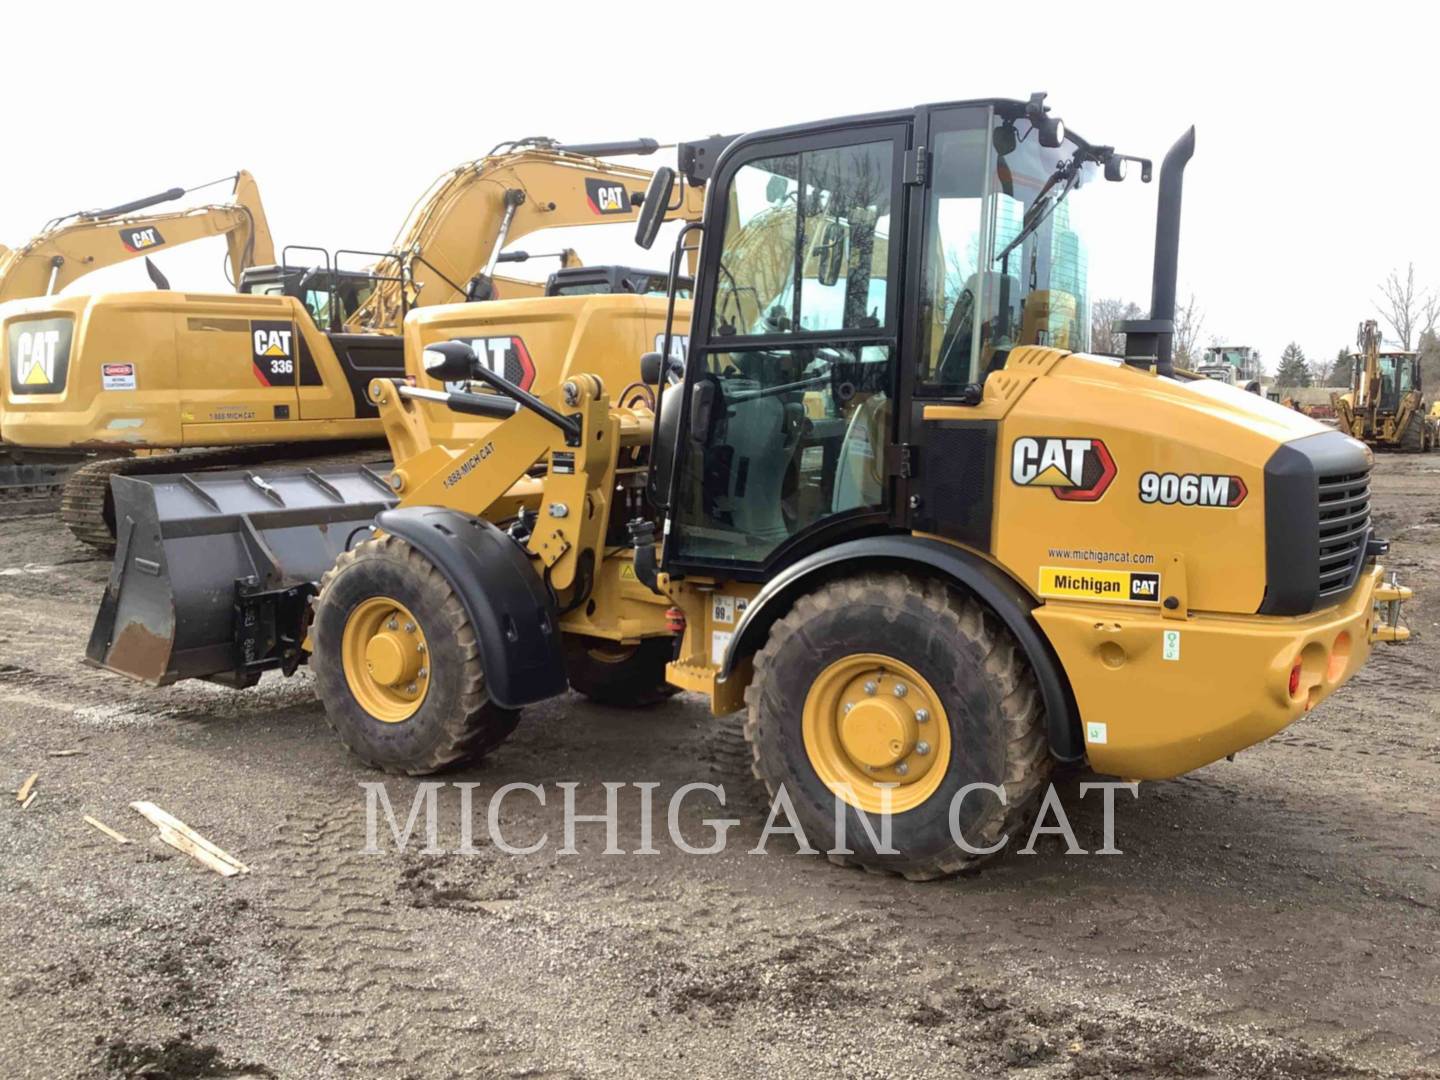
x=1074, y=469
x=505, y=356
x=142, y=239
x=606, y=196
x=39, y=355
x=272, y=352
x=1113, y=586
x=1192, y=489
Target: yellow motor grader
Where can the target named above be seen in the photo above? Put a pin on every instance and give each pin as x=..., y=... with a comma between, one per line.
x=73, y=245
x=866, y=499
x=1385, y=406
x=279, y=370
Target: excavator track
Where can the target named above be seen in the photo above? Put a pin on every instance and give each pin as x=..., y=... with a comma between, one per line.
x=30, y=487
x=86, y=507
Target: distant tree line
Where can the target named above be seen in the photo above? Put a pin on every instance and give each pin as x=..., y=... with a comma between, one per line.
x=1411, y=314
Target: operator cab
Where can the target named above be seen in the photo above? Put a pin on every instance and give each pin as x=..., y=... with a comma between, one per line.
x=1399, y=375
x=595, y=280
x=849, y=275
x=321, y=289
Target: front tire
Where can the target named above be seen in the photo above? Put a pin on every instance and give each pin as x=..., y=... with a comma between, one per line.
x=896, y=679
x=397, y=664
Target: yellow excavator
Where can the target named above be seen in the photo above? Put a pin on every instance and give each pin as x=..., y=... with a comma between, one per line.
x=1385, y=405
x=871, y=502
x=279, y=370
x=71, y=246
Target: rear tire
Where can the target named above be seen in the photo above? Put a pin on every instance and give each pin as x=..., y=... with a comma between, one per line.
x=625, y=676
x=1412, y=440
x=985, y=722
x=450, y=717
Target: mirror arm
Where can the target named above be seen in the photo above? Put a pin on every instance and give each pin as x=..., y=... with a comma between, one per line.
x=666, y=346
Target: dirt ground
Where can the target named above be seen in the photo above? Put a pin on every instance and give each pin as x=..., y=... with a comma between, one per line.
x=1276, y=916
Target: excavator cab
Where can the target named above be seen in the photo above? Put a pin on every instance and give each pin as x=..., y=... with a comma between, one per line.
x=596, y=280
x=323, y=291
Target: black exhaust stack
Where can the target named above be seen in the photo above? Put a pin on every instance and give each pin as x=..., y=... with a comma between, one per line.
x=1151, y=341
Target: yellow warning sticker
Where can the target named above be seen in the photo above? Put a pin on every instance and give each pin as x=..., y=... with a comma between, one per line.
x=1114, y=586
x=627, y=571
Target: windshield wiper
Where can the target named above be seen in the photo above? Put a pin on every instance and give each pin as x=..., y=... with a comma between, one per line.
x=1045, y=204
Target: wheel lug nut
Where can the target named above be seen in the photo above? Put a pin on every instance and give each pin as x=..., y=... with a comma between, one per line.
x=409, y=627
x=425, y=671
x=392, y=625
x=870, y=687
x=420, y=646
x=902, y=768
x=849, y=705
x=412, y=688
x=900, y=689
x=921, y=715
x=922, y=748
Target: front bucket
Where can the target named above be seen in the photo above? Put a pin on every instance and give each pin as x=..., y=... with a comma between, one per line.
x=213, y=571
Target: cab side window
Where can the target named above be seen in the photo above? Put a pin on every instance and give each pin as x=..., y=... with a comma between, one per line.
x=807, y=243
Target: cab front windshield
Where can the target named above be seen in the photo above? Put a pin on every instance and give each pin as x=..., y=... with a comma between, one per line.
x=1006, y=262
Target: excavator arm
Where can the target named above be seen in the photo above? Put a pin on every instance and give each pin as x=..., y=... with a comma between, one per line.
x=461, y=224
x=80, y=244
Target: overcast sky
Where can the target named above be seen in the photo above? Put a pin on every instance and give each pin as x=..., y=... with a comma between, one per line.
x=1315, y=163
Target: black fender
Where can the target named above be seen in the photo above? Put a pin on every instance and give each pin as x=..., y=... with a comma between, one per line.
x=516, y=626
x=1010, y=602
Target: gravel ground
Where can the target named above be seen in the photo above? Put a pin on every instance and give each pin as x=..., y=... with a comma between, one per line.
x=1271, y=917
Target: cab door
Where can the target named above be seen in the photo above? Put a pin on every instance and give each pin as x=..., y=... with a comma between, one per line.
x=792, y=377
x=945, y=479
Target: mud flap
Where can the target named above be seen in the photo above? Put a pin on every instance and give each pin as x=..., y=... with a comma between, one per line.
x=213, y=571
x=510, y=610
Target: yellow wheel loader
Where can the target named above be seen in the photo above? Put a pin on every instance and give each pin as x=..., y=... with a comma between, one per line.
x=1385, y=406
x=279, y=370
x=71, y=246
x=866, y=498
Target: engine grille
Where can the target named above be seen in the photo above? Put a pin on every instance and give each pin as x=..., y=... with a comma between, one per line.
x=1344, y=508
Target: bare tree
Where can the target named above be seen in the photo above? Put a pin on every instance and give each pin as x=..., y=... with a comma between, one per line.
x=1411, y=313
x=1189, y=321
x=1105, y=319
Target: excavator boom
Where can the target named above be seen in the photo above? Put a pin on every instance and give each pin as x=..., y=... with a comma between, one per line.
x=79, y=244
x=456, y=231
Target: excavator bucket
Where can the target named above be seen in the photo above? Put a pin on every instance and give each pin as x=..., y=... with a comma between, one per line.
x=213, y=572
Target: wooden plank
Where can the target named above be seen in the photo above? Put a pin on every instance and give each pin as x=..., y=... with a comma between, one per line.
x=182, y=842
x=165, y=821
x=117, y=837
x=24, y=792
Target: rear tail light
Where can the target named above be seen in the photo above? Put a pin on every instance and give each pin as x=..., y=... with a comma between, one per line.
x=1295, y=679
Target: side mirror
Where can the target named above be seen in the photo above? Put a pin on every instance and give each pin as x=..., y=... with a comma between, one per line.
x=652, y=369
x=655, y=206
x=449, y=361
x=830, y=252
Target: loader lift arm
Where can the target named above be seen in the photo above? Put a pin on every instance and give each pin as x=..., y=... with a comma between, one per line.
x=77, y=244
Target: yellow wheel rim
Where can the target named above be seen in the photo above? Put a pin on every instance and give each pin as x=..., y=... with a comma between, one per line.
x=871, y=720
x=386, y=658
